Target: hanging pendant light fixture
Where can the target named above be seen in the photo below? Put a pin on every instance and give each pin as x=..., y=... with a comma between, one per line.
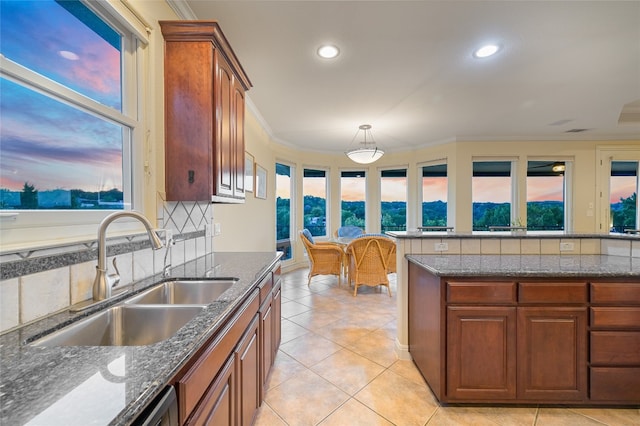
x=368, y=152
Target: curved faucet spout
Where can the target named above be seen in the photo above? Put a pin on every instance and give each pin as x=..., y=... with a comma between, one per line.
x=103, y=282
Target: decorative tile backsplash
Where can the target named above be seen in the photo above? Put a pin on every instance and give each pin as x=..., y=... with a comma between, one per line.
x=36, y=283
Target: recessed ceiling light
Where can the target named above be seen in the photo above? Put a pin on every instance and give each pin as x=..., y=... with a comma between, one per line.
x=328, y=51
x=485, y=51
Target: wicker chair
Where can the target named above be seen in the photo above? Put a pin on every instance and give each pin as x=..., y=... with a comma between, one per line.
x=325, y=258
x=371, y=259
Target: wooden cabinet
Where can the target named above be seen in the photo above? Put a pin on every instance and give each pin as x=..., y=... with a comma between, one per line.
x=223, y=382
x=481, y=353
x=614, y=368
x=565, y=341
x=247, y=356
x=204, y=114
x=552, y=353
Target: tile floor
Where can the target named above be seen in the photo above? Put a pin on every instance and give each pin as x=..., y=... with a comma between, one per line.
x=337, y=366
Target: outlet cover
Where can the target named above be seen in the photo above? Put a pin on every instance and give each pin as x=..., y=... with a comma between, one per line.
x=441, y=246
x=566, y=247
x=217, y=229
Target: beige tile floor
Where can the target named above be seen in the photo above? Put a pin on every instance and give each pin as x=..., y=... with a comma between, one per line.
x=336, y=366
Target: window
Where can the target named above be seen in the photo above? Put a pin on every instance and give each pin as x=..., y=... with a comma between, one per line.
x=434, y=195
x=623, y=196
x=491, y=194
x=353, y=196
x=283, y=209
x=66, y=123
x=393, y=200
x=314, y=191
x=545, y=195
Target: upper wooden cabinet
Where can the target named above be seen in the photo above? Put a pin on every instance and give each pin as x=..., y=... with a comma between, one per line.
x=204, y=88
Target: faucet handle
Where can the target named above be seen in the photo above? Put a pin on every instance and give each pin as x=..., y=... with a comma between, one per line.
x=114, y=279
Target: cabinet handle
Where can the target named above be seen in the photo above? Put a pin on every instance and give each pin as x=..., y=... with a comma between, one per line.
x=191, y=176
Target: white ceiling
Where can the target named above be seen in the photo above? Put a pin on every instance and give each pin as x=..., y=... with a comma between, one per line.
x=406, y=68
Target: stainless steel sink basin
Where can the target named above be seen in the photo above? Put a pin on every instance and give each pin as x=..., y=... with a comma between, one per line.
x=124, y=325
x=184, y=292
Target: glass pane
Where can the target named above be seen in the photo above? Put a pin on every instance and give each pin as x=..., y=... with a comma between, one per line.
x=545, y=196
x=393, y=201
x=314, y=190
x=283, y=209
x=353, y=196
x=72, y=159
x=67, y=43
x=491, y=194
x=623, y=196
x=434, y=195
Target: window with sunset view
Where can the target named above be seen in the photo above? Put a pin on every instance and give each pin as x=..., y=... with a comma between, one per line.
x=623, y=196
x=314, y=192
x=393, y=200
x=68, y=108
x=434, y=195
x=491, y=194
x=353, y=195
x=546, y=195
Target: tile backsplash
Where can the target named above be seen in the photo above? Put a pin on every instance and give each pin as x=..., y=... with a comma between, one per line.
x=39, y=282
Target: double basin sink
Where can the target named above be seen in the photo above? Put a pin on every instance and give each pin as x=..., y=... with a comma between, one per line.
x=143, y=319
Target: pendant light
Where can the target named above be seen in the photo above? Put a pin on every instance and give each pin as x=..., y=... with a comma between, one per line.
x=368, y=151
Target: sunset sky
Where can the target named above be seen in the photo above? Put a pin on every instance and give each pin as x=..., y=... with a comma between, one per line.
x=45, y=142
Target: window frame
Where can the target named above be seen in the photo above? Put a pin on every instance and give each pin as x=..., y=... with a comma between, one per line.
x=365, y=171
x=327, y=188
x=420, y=179
x=514, y=214
x=44, y=228
x=567, y=190
x=406, y=194
x=293, y=207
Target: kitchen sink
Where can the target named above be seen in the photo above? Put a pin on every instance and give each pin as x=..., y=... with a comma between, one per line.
x=124, y=325
x=184, y=292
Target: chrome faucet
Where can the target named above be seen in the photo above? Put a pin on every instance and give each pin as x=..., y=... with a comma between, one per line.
x=103, y=282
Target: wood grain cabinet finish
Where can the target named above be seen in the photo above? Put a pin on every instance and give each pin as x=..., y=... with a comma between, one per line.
x=614, y=370
x=223, y=382
x=204, y=114
x=559, y=341
x=481, y=352
x=552, y=353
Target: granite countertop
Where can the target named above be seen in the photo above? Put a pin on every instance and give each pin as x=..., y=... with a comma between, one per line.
x=112, y=384
x=529, y=265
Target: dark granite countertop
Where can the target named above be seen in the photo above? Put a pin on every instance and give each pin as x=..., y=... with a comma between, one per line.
x=111, y=385
x=529, y=265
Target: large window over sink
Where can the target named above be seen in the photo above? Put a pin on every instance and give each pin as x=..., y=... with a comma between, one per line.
x=67, y=111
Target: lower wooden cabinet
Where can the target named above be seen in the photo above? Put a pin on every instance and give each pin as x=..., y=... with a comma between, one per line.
x=614, y=369
x=247, y=357
x=552, y=353
x=556, y=341
x=481, y=352
x=223, y=383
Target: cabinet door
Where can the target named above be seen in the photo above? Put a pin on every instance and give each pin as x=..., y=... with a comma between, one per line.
x=248, y=374
x=277, y=318
x=238, y=139
x=224, y=148
x=481, y=353
x=188, y=115
x=552, y=353
x=266, y=334
x=218, y=407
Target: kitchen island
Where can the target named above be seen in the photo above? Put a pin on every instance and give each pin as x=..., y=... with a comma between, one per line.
x=525, y=328
x=75, y=385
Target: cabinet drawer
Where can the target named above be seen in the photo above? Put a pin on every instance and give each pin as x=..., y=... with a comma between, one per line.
x=615, y=384
x=628, y=318
x=481, y=292
x=615, y=348
x=552, y=293
x=615, y=293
